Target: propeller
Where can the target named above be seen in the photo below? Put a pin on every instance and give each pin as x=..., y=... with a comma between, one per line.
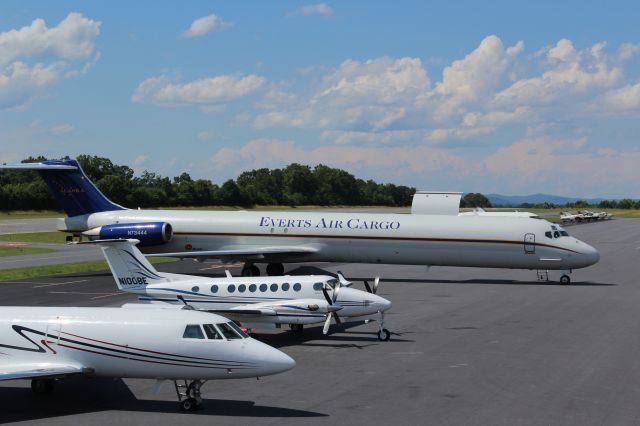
x=373, y=290
x=343, y=281
x=332, y=309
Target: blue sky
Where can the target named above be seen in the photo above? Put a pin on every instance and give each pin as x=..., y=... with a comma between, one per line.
x=503, y=97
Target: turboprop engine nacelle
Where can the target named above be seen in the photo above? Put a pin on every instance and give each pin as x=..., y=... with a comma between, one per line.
x=149, y=233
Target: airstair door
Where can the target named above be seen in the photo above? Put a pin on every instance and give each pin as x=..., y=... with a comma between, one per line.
x=529, y=243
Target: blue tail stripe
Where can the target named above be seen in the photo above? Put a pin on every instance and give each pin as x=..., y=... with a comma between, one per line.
x=74, y=191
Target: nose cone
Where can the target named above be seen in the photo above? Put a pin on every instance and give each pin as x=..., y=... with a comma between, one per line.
x=269, y=360
x=589, y=255
x=382, y=303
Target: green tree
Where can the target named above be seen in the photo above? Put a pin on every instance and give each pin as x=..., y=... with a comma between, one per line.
x=475, y=199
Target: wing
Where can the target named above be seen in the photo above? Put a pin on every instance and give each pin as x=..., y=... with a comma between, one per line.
x=252, y=252
x=247, y=310
x=38, y=370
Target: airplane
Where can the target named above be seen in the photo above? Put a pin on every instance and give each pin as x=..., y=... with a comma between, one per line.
x=571, y=217
x=278, y=237
x=252, y=301
x=44, y=344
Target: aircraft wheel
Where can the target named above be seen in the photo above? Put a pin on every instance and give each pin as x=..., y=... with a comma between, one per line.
x=296, y=327
x=188, y=404
x=42, y=386
x=275, y=269
x=384, y=335
x=565, y=279
x=250, y=271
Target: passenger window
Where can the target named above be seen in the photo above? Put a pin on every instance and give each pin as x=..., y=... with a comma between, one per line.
x=231, y=288
x=228, y=332
x=556, y=234
x=252, y=288
x=211, y=332
x=193, y=331
x=263, y=287
x=548, y=234
x=285, y=286
x=274, y=287
x=214, y=288
x=195, y=289
x=242, y=288
x=297, y=287
x=317, y=286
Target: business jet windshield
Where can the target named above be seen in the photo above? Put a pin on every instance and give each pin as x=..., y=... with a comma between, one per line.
x=556, y=232
x=229, y=330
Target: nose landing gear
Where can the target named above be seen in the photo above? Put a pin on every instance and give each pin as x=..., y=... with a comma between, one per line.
x=383, y=334
x=189, y=395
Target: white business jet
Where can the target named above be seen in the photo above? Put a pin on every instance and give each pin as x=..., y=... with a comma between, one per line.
x=278, y=237
x=172, y=343
x=252, y=301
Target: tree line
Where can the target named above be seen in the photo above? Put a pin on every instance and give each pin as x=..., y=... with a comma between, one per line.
x=293, y=185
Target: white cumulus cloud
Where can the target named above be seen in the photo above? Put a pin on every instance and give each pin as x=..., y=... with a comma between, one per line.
x=162, y=90
x=312, y=9
x=205, y=25
x=34, y=57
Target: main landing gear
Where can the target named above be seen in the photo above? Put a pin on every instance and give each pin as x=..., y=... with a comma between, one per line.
x=273, y=269
x=42, y=386
x=296, y=328
x=189, y=394
x=565, y=279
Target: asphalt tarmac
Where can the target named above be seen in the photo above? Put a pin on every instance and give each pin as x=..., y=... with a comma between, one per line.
x=469, y=347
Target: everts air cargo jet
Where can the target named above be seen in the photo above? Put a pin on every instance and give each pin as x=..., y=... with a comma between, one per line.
x=172, y=343
x=253, y=301
x=284, y=237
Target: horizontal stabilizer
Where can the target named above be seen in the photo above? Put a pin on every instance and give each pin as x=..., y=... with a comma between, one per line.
x=38, y=370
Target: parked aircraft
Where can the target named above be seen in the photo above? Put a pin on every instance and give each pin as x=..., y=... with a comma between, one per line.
x=277, y=237
x=252, y=301
x=186, y=346
x=479, y=211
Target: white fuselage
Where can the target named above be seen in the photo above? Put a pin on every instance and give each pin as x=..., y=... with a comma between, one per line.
x=496, y=242
x=282, y=300
x=129, y=342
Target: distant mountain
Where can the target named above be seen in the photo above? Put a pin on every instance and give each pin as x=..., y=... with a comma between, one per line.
x=516, y=200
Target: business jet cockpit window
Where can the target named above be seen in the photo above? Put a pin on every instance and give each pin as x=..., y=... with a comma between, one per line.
x=212, y=332
x=231, y=331
x=193, y=331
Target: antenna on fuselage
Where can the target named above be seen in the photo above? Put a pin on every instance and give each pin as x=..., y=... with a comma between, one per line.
x=186, y=305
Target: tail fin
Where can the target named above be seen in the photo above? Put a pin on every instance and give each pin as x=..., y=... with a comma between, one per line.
x=71, y=188
x=131, y=270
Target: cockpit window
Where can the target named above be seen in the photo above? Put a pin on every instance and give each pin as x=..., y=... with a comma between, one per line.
x=211, y=332
x=556, y=234
x=238, y=329
x=193, y=331
x=564, y=233
x=548, y=234
x=317, y=286
x=332, y=282
x=228, y=331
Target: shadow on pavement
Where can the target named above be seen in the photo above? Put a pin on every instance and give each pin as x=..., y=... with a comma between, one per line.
x=80, y=395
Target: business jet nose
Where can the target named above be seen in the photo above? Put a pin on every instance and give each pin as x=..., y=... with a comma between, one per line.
x=271, y=360
x=591, y=254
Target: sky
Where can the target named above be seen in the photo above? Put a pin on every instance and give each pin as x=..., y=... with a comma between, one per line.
x=495, y=97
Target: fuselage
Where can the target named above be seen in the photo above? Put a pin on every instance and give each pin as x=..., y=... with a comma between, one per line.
x=285, y=300
x=495, y=242
x=129, y=342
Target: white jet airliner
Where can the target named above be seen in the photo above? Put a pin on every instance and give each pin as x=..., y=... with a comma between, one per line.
x=252, y=301
x=186, y=346
x=277, y=237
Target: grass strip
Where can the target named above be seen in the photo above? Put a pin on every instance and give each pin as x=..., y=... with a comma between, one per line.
x=55, y=237
x=17, y=274
x=20, y=251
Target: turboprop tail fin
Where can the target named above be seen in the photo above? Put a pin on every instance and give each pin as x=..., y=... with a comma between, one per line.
x=131, y=270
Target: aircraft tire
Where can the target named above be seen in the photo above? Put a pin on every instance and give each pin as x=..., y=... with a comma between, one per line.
x=250, y=271
x=42, y=386
x=296, y=327
x=188, y=404
x=565, y=279
x=384, y=335
x=275, y=269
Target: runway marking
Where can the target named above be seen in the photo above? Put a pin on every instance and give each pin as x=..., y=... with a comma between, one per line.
x=56, y=284
x=10, y=244
x=234, y=265
x=21, y=282
x=407, y=353
x=458, y=365
x=120, y=293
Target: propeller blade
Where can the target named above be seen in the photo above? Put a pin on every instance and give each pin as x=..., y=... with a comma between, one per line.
x=327, y=323
x=335, y=294
x=326, y=296
x=367, y=286
x=337, y=318
x=375, y=285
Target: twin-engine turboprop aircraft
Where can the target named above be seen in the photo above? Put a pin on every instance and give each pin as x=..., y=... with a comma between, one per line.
x=172, y=343
x=277, y=237
x=253, y=301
